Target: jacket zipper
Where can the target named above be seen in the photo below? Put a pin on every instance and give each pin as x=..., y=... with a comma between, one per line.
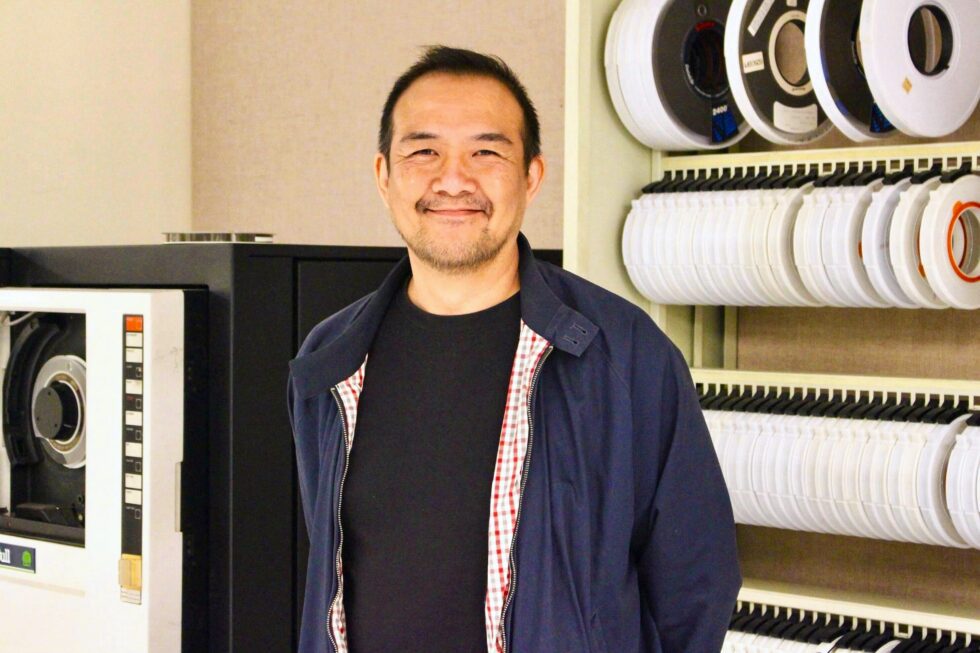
x=340, y=526
x=520, y=502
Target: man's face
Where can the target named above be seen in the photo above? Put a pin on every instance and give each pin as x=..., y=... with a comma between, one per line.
x=456, y=184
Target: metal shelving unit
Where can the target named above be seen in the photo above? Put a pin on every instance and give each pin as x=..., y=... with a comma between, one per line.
x=605, y=170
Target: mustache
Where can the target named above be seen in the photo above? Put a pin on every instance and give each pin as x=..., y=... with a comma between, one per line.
x=469, y=202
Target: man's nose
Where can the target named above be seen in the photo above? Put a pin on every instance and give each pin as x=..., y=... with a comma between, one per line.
x=454, y=177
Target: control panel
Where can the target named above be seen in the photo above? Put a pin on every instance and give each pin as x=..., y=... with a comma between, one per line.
x=130, y=562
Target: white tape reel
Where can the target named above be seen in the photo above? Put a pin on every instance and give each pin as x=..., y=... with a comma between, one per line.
x=875, y=236
x=904, y=245
x=949, y=242
x=842, y=247
x=963, y=485
x=612, y=76
x=678, y=98
x=921, y=62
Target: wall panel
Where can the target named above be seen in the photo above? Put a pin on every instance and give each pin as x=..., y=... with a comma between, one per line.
x=94, y=121
x=287, y=97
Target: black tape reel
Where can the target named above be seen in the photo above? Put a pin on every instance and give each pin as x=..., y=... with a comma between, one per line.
x=764, y=47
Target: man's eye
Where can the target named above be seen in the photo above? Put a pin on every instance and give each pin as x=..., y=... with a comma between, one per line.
x=487, y=153
x=425, y=152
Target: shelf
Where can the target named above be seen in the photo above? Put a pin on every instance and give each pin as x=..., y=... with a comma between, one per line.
x=894, y=157
x=906, y=615
x=942, y=388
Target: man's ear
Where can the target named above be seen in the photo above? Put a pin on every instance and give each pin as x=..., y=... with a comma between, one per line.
x=535, y=175
x=381, y=176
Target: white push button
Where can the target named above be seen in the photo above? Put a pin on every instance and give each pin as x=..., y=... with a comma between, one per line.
x=134, y=449
x=134, y=387
x=134, y=481
x=134, y=418
x=134, y=355
x=134, y=497
x=134, y=339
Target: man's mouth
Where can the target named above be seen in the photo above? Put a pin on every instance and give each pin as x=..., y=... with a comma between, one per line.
x=454, y=213
x=466, y=209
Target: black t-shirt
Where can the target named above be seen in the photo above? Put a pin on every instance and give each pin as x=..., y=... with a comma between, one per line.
x=416, y=503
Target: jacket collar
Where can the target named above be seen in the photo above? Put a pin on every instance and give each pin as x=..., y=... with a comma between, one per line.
x=541, y=309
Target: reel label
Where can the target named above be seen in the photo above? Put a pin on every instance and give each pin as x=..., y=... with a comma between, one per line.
x=753, y=62
x=795, y=120
x=760, y=16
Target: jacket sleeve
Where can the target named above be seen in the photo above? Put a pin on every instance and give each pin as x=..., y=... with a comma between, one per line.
x=684, y=534
x=307, y=450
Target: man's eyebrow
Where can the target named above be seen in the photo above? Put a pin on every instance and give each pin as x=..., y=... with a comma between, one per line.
x=418, y=136
x=487, y=137
x=493, y=137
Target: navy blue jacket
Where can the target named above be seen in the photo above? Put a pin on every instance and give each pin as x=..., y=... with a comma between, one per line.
x=625, y=540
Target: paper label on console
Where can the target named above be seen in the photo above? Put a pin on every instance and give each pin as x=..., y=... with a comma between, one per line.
x=21, y=558
x=795, y=120
x=753, y=62
x=760, y=16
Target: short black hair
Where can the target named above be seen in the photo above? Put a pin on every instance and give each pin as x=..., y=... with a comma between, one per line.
x=457, y=61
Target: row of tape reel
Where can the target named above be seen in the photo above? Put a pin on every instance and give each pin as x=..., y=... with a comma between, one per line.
x=908, y=241
x=719, y=67
x=894, y=480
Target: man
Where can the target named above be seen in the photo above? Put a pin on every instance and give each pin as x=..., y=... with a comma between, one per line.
x=532, y=472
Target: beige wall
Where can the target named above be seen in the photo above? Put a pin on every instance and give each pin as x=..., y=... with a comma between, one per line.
x=287, y=97
x=94, y=121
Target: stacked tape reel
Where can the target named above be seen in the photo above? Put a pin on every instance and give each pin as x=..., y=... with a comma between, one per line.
x=695, y=75
x=665, y=69
x=857, y=238
x=963, y=483
x=861, y=465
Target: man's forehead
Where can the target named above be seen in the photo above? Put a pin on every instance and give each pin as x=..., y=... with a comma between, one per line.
x=444, y=101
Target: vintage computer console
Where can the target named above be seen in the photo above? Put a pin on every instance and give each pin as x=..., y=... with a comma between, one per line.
x=103, y=452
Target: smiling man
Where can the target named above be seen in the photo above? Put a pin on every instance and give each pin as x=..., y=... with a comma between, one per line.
x=532, y=472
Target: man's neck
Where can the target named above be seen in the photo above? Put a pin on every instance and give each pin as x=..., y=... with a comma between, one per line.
x=442, y=293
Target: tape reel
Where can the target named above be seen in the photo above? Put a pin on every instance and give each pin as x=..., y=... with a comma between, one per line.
x=931, y=476
x=680, y=98
x=875, y=238
x=843, y=249
x=904, y=245
x=949, y=242
x=772, y=88
x=963, y=485
x=833, y=55
x=921, y=64
x=612, y=76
